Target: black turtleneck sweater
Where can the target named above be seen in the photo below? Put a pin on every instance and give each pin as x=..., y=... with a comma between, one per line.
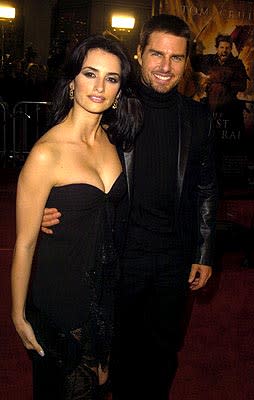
x=152, y=212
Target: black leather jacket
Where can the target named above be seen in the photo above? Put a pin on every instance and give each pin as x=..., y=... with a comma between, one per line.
x=196, y=197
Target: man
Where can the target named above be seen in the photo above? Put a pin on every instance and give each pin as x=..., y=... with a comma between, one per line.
x=227, y=75
x=171, y=177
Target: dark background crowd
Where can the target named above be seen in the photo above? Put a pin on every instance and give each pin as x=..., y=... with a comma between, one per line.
x=27, y=78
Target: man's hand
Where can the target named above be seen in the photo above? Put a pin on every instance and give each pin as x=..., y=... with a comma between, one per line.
x=50, y=217
x=199, y=276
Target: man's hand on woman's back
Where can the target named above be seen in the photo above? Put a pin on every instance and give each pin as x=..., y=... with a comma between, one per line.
x=50, y=218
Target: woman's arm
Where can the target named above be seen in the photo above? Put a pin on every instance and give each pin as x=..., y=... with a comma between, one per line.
x=34, y=184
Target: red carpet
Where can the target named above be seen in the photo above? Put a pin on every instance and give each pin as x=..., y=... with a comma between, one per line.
x=217, y=360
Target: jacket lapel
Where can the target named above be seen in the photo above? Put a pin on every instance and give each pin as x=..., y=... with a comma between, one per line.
x=184, y=139
x=128, y=160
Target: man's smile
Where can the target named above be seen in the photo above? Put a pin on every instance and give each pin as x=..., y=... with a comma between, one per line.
x=162, y=77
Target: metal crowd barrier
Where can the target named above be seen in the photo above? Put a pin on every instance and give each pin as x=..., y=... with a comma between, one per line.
x=3, y=136
x=29, y=122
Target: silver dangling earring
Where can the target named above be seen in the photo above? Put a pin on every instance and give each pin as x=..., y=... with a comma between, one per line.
x=115, y=104
x=71, y=94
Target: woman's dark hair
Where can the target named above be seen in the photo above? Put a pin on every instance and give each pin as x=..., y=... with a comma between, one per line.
x=164, y=23
x=125, y=121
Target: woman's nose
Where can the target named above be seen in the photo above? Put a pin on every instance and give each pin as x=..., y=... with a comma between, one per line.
x=99, y=85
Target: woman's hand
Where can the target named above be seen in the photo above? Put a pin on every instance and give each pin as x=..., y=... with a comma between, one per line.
x=26, y=333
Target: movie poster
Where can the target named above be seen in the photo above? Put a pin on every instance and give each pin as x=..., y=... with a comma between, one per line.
x=227, y=88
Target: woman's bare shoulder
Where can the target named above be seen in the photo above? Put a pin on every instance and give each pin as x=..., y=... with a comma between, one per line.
x=44, y=153
x=53, y=135
x=48, y=146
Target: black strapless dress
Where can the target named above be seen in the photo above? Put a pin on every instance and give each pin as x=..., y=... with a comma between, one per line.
x=76, y=267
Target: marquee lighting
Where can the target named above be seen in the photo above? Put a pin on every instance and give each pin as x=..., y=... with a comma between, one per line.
x=7, y=12
x=122, y=22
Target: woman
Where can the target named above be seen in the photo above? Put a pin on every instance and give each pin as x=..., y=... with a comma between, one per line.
x=76, y=167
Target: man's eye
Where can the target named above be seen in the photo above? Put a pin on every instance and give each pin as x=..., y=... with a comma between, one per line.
x=156, y=54
x=178, y=58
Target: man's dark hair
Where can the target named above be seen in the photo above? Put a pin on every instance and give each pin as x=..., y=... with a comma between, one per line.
x=164, y=23
x=223, y=38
